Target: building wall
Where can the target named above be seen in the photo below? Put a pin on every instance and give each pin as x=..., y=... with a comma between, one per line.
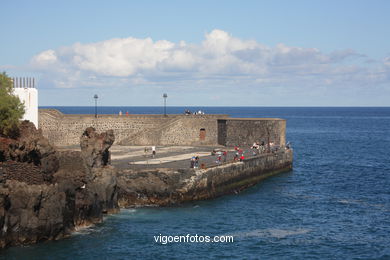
x=29, y=96
x=187, y=131
x=180, y=130
x=246, y=131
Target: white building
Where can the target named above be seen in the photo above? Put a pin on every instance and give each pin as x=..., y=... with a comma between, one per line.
x=25, y=89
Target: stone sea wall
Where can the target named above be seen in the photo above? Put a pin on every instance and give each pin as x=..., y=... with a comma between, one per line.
x=162, y=187
x=63, y=129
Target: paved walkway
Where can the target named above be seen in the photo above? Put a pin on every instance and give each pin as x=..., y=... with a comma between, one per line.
x=172, y=158
x=135, y=157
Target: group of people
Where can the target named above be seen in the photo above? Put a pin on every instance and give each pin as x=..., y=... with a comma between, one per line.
x=258, y=148
x=219, y=156
x=188, y=112
x=239, y=154
x=272, y=147
x=194, y=162
x=146, y=151
x=120, y=113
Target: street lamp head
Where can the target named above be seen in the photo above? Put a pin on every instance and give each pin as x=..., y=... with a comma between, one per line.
x=95, y=96
x=165, y=95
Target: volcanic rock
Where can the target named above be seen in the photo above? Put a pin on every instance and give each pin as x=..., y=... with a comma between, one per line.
x=30, y=147
x=34, y=207
x=94, y=147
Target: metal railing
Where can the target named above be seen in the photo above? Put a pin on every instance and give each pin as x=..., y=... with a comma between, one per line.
x=23, y=82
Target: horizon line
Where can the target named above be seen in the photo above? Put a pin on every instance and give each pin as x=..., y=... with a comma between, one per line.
x=235, y=106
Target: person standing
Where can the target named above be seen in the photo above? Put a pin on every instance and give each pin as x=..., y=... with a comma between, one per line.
x=153, y=151
x=196, y=165
x=219, y=157
x=236, y=155
x=192, y=165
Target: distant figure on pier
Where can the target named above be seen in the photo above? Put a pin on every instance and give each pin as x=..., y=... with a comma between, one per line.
x=262, y=147
x=255, y=148
x=237, y=154
x=196, y=165
x=192, y=165
x=219, y=157
x=153, y=151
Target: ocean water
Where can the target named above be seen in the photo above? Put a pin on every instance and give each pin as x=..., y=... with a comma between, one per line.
x=335, y=204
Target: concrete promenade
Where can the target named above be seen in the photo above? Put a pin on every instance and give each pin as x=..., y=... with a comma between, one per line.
x=134, y=157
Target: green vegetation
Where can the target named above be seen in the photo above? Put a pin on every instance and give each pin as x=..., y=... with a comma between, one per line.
x=11, y=108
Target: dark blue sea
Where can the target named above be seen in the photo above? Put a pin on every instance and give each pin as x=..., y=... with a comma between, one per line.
x=335, y=204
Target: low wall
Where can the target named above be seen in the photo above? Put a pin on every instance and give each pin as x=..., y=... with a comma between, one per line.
x=168, y=186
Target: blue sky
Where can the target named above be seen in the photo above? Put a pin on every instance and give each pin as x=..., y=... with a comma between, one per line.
x=222, y=53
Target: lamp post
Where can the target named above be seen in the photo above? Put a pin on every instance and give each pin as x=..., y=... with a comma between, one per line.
x=95, y=97
x=165, y=103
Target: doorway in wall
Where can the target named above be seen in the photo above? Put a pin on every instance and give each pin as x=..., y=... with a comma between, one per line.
x=202, y=134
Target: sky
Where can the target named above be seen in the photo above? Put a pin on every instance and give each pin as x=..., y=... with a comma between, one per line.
x=201, y=53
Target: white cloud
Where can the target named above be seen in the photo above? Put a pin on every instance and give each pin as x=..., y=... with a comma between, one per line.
x=220, y=56
x=45, y=58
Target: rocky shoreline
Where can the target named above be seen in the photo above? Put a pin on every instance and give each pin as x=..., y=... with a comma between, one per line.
x=46, y=194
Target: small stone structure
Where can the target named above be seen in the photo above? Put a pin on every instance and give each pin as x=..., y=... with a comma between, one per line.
x=64, y=129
